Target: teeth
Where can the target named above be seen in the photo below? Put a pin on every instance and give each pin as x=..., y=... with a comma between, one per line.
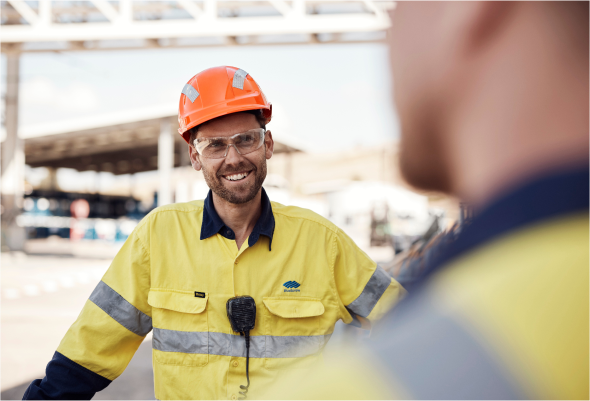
x=236, y=177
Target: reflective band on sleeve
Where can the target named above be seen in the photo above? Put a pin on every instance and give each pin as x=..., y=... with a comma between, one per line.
x=371, y=294
x=190, y=92
x=239, y=77
x=121, y=310
x=435, y=357
x=234, y=345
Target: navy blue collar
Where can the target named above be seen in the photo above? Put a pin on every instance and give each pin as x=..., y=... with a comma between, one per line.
x=212, y=223
x=549, y=196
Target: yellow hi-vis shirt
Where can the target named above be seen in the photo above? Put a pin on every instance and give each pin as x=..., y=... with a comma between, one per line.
x=167, y=279
x=502, y=314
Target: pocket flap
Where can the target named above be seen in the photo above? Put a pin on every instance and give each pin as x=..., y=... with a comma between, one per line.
x=179, y=301
x=291, y=307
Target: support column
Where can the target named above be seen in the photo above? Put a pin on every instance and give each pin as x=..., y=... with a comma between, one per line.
x=289, y=170
x=13, y=160
x=165, y=162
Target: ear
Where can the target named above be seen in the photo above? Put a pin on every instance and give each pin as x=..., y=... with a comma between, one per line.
x=487, y=18
x=269, y=144
x=194, y=156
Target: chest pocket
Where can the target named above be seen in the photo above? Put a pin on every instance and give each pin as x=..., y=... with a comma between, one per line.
x=181, y=330
x=294, y=329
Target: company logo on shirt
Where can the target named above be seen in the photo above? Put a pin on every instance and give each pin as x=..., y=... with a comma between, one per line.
x=291, y=285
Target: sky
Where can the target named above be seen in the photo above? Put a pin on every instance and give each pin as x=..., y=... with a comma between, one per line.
x=328, y=97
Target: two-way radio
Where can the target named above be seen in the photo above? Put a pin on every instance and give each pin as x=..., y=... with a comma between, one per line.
x=241, y=312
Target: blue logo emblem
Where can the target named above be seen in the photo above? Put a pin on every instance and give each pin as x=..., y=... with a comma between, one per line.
x=291, y=284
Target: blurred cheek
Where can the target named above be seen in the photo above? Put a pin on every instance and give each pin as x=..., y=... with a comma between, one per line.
x=414, y=46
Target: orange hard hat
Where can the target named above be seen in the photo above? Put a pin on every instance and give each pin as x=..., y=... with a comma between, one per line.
x=216, y=92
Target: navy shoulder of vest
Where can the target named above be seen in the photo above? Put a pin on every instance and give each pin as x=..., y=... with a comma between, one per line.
x=549, y=196
x=66, y=380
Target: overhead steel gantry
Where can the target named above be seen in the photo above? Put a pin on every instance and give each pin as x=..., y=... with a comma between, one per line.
x=56, y=26
x=88, y=25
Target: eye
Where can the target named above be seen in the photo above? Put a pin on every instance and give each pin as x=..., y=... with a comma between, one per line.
x=215, y=144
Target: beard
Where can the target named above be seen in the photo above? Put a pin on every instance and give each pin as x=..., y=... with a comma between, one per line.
x=241, y=193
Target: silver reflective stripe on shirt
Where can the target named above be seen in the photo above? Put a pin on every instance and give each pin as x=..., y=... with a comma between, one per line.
x=437, y=356
x=121, y=310
x=239, y=77
x=190, y=92
x=376, y=286
x=202, y=342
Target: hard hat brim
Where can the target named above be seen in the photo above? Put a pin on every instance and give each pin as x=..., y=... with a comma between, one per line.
x=216, y=111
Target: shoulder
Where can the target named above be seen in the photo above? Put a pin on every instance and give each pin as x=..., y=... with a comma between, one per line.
x=196, y=205
x=171, y=211
x=302, y=215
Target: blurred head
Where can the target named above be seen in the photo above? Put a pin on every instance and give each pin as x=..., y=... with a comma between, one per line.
x=475, y=81
x=236, y=178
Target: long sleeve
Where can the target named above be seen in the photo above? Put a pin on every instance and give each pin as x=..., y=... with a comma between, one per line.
x=114, y=321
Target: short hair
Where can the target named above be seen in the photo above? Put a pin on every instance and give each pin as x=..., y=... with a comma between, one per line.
x=256, y=113
x=574, y=15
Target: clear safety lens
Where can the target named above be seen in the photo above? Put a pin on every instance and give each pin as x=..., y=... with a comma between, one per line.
x=217, y=148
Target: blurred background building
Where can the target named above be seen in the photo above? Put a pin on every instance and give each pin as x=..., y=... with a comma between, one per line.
x=90, y=143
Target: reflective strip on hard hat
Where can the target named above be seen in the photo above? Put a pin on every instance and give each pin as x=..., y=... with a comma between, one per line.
x=121, y=310
x=202, y=342
x=239, y=77
x=190, y=92
x=374, y=289
x=215, y=100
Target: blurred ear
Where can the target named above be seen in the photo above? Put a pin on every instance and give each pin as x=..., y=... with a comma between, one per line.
x=269, y=144
x=487, y=19
x=194, y=156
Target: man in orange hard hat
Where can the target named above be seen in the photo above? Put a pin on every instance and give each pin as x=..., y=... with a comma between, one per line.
x=201, y=273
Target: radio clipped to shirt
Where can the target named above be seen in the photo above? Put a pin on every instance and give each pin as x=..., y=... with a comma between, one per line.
x=241, y=312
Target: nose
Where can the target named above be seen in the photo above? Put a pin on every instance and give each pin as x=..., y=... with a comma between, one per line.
x=233, y=157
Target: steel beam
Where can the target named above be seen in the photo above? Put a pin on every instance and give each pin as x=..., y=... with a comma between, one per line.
x=200, y=20
x=13, y=161
x=165, y=162
x=184, y=29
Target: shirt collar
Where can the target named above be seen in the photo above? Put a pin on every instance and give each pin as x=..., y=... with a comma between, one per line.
x=212, y=223
x=548, y=196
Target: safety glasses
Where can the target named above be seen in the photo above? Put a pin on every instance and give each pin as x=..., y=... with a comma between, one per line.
x=244, y=143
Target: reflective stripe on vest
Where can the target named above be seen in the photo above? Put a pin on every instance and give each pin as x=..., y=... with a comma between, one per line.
x=202, y=342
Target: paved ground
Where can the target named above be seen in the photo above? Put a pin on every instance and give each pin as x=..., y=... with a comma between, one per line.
x=41, y=297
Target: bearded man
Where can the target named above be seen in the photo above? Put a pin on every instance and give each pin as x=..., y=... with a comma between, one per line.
x=283, y=275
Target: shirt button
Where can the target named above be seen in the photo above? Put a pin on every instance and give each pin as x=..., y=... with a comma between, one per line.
x=234, y=397
x=236, y=364
x=235, y=262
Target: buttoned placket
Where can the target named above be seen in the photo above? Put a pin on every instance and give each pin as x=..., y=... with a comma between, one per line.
x=236, y=369
x=236, y=263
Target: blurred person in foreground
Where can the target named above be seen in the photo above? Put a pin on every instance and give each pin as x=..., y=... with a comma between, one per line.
x=183, y=262
x=493, y=102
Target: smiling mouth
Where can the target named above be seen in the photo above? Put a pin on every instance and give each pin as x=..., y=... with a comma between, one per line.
x=237, y=176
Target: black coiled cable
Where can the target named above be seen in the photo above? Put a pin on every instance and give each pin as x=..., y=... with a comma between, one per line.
x=241, y=312
x=245, y=388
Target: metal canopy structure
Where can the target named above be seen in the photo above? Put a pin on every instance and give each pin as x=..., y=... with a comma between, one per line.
x=105, y=25
x=56, y=26
x=116, y=143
